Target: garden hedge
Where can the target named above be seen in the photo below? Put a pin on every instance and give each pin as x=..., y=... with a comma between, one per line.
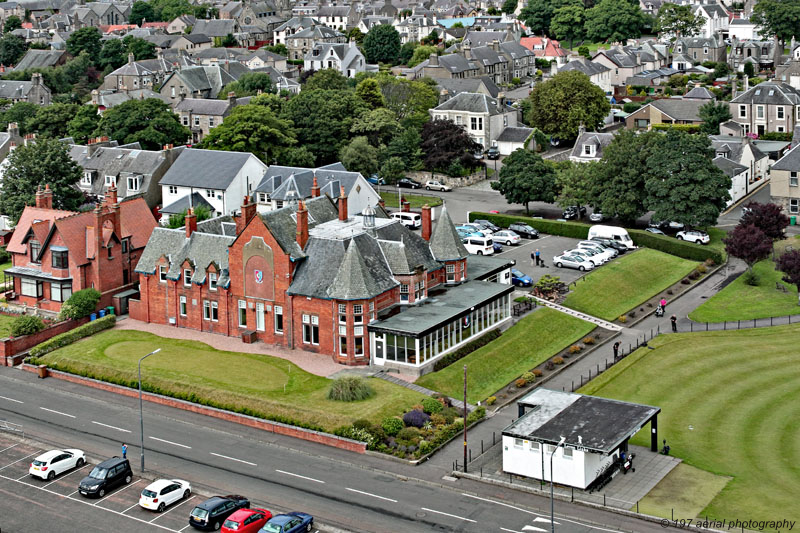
x=465, y=350
x=578, y=230
x=73, y=335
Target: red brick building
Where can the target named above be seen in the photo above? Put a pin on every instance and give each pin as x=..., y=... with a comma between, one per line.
x=56, y=253
x=311, y=277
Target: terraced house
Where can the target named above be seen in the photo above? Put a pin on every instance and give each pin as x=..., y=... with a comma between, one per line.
x=357, y=288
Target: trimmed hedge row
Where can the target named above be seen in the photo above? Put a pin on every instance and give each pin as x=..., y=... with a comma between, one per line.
x=465, y=350
x=577, y=230
x=59, y=341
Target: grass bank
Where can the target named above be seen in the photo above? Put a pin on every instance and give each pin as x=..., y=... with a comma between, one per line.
x=414, y=199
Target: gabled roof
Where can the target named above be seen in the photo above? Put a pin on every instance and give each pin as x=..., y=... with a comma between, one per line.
x=39, y=58
x=679, y=108
x=730, y=168
x=589, y=68
x=204, y=106
x=771, y=93
x=283, y=225
x=514, y=135
x=471, y=103
x=207, y=169
x=468, y=85
x=445, y=243
x=593, y=138
x=790, y=161
x=27, y=218
x=183, y=204
x=214, y=27
x=699, y=93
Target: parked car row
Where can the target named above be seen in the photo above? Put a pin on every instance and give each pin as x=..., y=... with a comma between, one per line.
x=229, y=513
x=682, y=234
x=408, y=183
x=480, y=235
x=590, y=254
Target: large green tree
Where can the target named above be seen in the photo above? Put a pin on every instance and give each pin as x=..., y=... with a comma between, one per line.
x=140, y=12
x=382, y=44
x=574, y=182
x=82, y=126
x=85, y=39
x=248, y=84
x=678, y=20
x=360, y=156
x=113, y=55
x=12, y=23
x=713, y=114
x=410, y=100
x=614, y=20
x=140, y=48
x=44, y=162
x=369, y=92
x=537, y=15
x=328, y=79
x=378, y=126
x=149, y=122
x=12, y=48
x=560, y=105
x=682, y=183
x=567, y=23
x=421, y=53
x=509, y=6
x=22, y=113
x=53, y=120
x=525, y=178
x=777, y=18
x=405, y=145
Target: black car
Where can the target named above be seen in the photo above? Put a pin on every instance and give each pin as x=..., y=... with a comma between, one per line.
x=524, y=230
x=107, y=475
x=666, y=226
x=621, y=248
x=486, y=224
x=407, y=183
x=572, y=211
x=212, y=513
x=493, y=153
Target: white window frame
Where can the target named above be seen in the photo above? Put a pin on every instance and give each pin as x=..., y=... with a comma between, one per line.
x=173, y=189
x=187, y=277
x=162, y=273
x=793, y=179
x=133, y=183
x=534, y=446
x=742, y=111
x=278, y=312
x=212, y=281
x=780, y=113
x=567, y=452
x=111, y=180
x=182, y=306
x=87, y=176
x=242, y=314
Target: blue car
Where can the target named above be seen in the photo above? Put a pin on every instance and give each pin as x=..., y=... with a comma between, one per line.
x=376, y=180
x=519, y=279
x=497, y=247
x=294, y=522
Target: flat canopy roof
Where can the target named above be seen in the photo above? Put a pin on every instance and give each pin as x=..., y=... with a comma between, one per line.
x=589, y=422
x=482, y=266
x=433, y=312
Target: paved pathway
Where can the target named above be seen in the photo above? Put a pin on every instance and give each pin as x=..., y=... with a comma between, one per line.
x=577, y=314
x=392, y=378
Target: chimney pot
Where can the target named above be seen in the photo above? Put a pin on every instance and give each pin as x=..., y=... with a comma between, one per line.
x=315, y=188
x=190, y=222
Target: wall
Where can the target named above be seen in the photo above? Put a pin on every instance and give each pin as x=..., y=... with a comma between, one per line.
x=16, y=345
x=422, y=176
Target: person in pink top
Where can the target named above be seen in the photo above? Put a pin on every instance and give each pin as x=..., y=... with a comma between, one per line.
x=663, y=303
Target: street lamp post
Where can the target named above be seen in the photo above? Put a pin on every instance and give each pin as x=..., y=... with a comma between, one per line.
x=141, y=410
x=552, y=500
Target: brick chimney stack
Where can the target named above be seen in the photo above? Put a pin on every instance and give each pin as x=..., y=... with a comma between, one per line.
x=342, y=204
x=44, y=198
x=406, y=206
x=426, y=222
x=315, y=188
x=247, y=214
x=302, y=225
x=191, y=222
x=111, y=196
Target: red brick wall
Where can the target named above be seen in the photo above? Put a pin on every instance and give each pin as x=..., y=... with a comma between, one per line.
x=20, y=344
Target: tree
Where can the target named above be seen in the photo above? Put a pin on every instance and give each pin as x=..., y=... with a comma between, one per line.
x=682, y=183
x=279, y=49
x=369, y=92
x=614, y=20
x=749, y=69
x=574, y=181
x=355, y=35
x=567, y=23
x=113, y=55
x=421, y=53
x=229, y=41
x=378, y=125
x=405, y=145
x=360, y=156
x=777, y=18
x=392, y=170
x=583, y=50
x=80, y=304
x=327, y=79
x=270, y=100
x=12, y=23
x=140, y=12
x=406, y=53
x=410, y=100
x=178, y=220
x=85, y=39
x=166, y=10
x=12, y=48
x=713, y=114
x=31, y=166
x=525, y=178
x=252, y=128
x=382, y=44
x=789, y=264
x=749, y=244
x=140, y=48
x=83, y=124
x=22, y=113
x=149, y=122
x=431, y=39
x=509, y=6
x=53, y=120
x=536, y=15
x=769, y=218
x=560, y=105
x=248, y=84
x=444, y=143
x=678, y=20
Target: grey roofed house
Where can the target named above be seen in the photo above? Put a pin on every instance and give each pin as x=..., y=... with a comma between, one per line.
x=590, y=138
x=194, y=201
x=651, y=77
x=295, y=183
x=316, y=33
x=679, y=109
x=14, y=90
x=39, y=59
x=221, y=53
x=487, y=56
x=106, y=99
x=197, y=38
x=454, y=86
x=483, y=38
x=514, y=135
x=622, y=56
x=790, y=161
x=204, y=106
x=445, y=243
x=282, y=223
x=699, y=93
x=215, y=27
x=211, y=169
x=471, y=103
x=582, y=64
x=162, y=40
x=208, y=79
x=733, y=147
x=515, y=50
x=455, y=63
x=771, y=93
x=730, y=168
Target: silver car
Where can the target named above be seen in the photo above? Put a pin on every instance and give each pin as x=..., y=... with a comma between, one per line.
x=590, y=255
x=572, y=261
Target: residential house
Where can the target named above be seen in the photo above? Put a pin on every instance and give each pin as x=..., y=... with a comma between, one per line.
x=292, y=26
x=201, y=115
x=514, y=138
x=180, y=24
x=447, y=66
x=784, y=183
x=699, y=93
x=368, y=22
x=598, y=73
x=224, y=178
x=743, y=30
x=41, y=59
x=651, y=78
x=55, y=253
x=337, y=17
x=301, y=42
x=199, y=82
x=622, y=62
x=762, y=54
x=483, y=117
x=346, y=58
x=215, y=28
x=34, y=91
x=417, y=26
x=108, y=98
x=262, y=59
x=131, y=75
x=450, y=87
x=192, y=42
x=700, y=50
x=589, y=145
x=666, y=111
x=741, y=151
x=521, y=60
x=490, y=61
x=546, y=49
x=716, y=19
x=650, y=7
x=739, y=175
x=789, y=72
x=767, y=107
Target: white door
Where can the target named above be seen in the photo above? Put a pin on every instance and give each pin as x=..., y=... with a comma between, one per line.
x=379, y=351
x=260, y=316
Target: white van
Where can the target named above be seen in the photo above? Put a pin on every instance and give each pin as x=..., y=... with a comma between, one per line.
x=612, y=232
x=409, y=220
x=479, y=245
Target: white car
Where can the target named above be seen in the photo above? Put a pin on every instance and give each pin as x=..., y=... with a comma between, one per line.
x=434, y=185
x=607, y=255
x=596, y=216
x=590, y=255
x=572, y=261
x=162, y=493
x=697, y=237
x=55, y=462
x=506, y=237
x=477, y=228
x=600, y=246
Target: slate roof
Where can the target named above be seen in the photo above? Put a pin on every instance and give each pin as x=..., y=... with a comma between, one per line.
x=214, y=27
x=182, y=204
x=733, y=147
x=468, y=85
x=471, y=103
x=514, y=135
x=283, y=225
x=589, y=68
x=39, y=59
x=294, y=183
x=599, y=140
x=204, y=106
x=487, y=56
x=111, y=98
x=790, y=161
x=15, y=89
x=679, y=108
x=482, y=38
x=205, y=169
x=770, y=93
x=730, y=168
x=456, y=63
x=118, y=162
x=445, y=243
x=700, y=93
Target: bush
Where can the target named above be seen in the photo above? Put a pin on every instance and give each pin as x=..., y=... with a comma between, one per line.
x=392, y=426
x=362, y=423
x=350, y=389
x=450, y=414
x=558, y=361
x=491, y=400
x=438, y=420
x=536, y=372
x=477, y=414
x=416, y=418
x=709, y=262
x=623, y=318
x=465, y=350
x=575, y=349
x=528, y=377
x=520, y=383
x=549, y=365
x=408, y=434
x=701, y=269
x=5, y=257
x=684, y=249
x=588, y=340
x=632, y=314
x=750, y=278
x=432, y=406
x=73, y=335
x=80, y=304
x=694, y=274
x=26, y=325
x=685, y=281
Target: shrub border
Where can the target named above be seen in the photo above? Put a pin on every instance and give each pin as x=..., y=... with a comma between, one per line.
x=68, y=337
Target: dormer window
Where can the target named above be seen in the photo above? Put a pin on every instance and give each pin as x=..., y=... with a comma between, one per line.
x=133, y=183
x=34, y=247
x=162, y=273
x=588, y=150
x=87, y=178
x=60, y=258
x=187, y=277
x=212, y=281
x=111, y=181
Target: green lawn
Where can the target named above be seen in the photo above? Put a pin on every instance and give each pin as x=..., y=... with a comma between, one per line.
x=739, y=301
x=5, y=325
x=263, y=383
x=522, y=347
x=685, y=491
x=623, y=284
x=4, y=266
x=716, y=235
x=593, y=47
x=415, y=200
x=729, y=407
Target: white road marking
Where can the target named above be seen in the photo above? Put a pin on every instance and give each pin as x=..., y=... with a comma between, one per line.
x=171, y=508
x=57, y=412
x=448, y=514
x=509, y=530
x=234, y=459
x=12, y=446
x=18, y=460
x=170, y=442
x=373, y=495
x=180, y=530
x=65, y=475
x=112, y=427
x=11, y=399
x=131, y=507
x=539, y=519
x=298, y=475
x=101, y=500
x=23, y=477
x=532, y=528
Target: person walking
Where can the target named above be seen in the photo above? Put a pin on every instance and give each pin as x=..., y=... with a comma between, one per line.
x=616, y=350
x=674, y=321
x=538, y=260
x=124, y=451
x=663, y=303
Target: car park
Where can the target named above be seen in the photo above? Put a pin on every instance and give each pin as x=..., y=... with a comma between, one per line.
x=50, y=464
x=289, y=523
x=569, y=260
x=435, y=185
x=621, y=248
x=486, y=224
x=162, y=493
x=496, y=246
x=590, y=255
x=408, y=183
x=105, y=476
x=573, y=212
x=695, y=236
x=478, y=245
x=615, y=233
x=610, y=250
x=477, y=228
x=246, y=521
x=506, y=236
x=602, y=252
x=493, y=153
x=524, y=230
x=470, y=230
x=212, y=513
x=519, y=279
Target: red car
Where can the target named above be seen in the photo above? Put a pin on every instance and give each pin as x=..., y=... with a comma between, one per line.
x=246, y=520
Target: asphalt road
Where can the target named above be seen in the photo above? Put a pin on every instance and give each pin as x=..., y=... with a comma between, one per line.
x=342, y=490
